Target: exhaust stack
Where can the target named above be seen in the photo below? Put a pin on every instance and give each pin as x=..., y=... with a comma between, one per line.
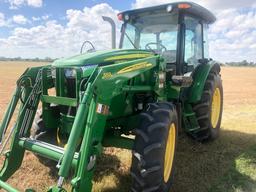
x=113, y=26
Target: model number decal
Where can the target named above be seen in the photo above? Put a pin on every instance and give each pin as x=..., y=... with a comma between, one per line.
x=102, y=109
x=107, y=75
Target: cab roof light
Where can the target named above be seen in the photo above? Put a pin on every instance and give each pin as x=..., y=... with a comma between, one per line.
x=169, y=8
x=183, y=6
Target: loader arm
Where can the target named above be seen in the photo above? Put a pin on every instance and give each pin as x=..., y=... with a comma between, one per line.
x=95, y=102
x=89, y=123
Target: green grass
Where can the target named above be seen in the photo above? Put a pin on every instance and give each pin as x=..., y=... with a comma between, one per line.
x=242, y=175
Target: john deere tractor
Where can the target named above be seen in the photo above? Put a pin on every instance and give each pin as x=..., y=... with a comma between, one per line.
x=137, y=97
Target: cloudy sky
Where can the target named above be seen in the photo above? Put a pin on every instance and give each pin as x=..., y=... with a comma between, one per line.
x=56, y=28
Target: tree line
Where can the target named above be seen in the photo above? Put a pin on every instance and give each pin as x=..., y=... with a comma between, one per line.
x=241, y=63
x=46, y=59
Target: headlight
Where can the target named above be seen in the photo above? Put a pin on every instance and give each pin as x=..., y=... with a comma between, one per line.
x=70, y=73
x=53, y=73
x=86, y=67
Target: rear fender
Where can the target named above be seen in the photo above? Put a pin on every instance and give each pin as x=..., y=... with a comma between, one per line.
x=199, y=78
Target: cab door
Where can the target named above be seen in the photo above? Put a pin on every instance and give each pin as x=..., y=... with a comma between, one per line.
x=193, y=48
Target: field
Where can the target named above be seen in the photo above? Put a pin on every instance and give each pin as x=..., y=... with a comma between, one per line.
x=227, y=164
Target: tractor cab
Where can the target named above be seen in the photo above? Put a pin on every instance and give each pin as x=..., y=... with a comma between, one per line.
x=176, y=31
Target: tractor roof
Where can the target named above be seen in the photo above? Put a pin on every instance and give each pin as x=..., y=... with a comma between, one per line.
x=187, y=7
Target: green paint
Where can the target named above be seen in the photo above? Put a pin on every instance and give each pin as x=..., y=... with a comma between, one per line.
x=200, y=77
x=59, y=100
x=99, y=97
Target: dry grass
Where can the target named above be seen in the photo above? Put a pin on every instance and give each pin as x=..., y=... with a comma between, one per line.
x=198, y=167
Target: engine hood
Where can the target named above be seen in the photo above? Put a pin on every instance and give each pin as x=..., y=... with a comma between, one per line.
x=102, y=58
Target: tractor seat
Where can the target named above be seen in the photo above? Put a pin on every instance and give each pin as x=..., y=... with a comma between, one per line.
x=170, y=59
x=169, y=56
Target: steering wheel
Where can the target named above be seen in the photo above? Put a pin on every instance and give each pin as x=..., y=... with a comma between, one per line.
x=89, y=50
x=162, y=47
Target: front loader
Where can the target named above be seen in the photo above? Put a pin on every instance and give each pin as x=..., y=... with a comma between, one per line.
x=137, y=97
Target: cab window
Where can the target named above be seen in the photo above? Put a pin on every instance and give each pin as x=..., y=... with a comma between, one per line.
x=193, y=41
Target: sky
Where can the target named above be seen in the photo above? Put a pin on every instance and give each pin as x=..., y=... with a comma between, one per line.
x=57, y=28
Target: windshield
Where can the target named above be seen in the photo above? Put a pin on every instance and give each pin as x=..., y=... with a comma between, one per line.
x=154, y=32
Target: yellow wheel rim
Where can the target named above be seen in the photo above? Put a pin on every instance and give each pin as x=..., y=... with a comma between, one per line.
x=59, y=142
x=169, y=152
x=216, y=105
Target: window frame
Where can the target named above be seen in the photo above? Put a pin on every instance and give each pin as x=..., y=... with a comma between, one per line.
x=180, y=53
x=202, y=34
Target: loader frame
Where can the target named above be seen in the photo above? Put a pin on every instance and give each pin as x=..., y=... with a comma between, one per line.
x=89, y=122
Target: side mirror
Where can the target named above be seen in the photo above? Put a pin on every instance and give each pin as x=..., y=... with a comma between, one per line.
x=113, y=26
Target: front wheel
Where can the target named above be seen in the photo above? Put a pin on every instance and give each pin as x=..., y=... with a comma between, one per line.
x=154, y=149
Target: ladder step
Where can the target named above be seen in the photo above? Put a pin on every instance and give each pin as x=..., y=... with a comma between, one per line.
x=45, y=149
x=189, y=114
x=195, y=129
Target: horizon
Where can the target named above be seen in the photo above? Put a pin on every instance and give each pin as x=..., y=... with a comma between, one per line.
x=43, y=28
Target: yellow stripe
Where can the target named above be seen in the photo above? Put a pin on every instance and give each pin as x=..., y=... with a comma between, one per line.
x=134, y=67
x=131, y=56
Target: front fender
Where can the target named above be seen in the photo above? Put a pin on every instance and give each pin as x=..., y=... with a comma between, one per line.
x=199, y=78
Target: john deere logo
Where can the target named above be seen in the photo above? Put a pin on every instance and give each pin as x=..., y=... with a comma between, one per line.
x=135, y=67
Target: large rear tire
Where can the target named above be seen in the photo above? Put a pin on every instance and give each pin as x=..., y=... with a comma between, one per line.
x=209, y=109
x=154, y=149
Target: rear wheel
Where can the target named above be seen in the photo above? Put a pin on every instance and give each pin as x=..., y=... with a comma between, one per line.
x=209, y=109
x=154, y=149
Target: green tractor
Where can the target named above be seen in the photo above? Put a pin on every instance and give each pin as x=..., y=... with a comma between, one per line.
x=137, y=97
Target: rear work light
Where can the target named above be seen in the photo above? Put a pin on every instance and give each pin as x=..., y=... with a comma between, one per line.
x=120, y=17
x=183, y=6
